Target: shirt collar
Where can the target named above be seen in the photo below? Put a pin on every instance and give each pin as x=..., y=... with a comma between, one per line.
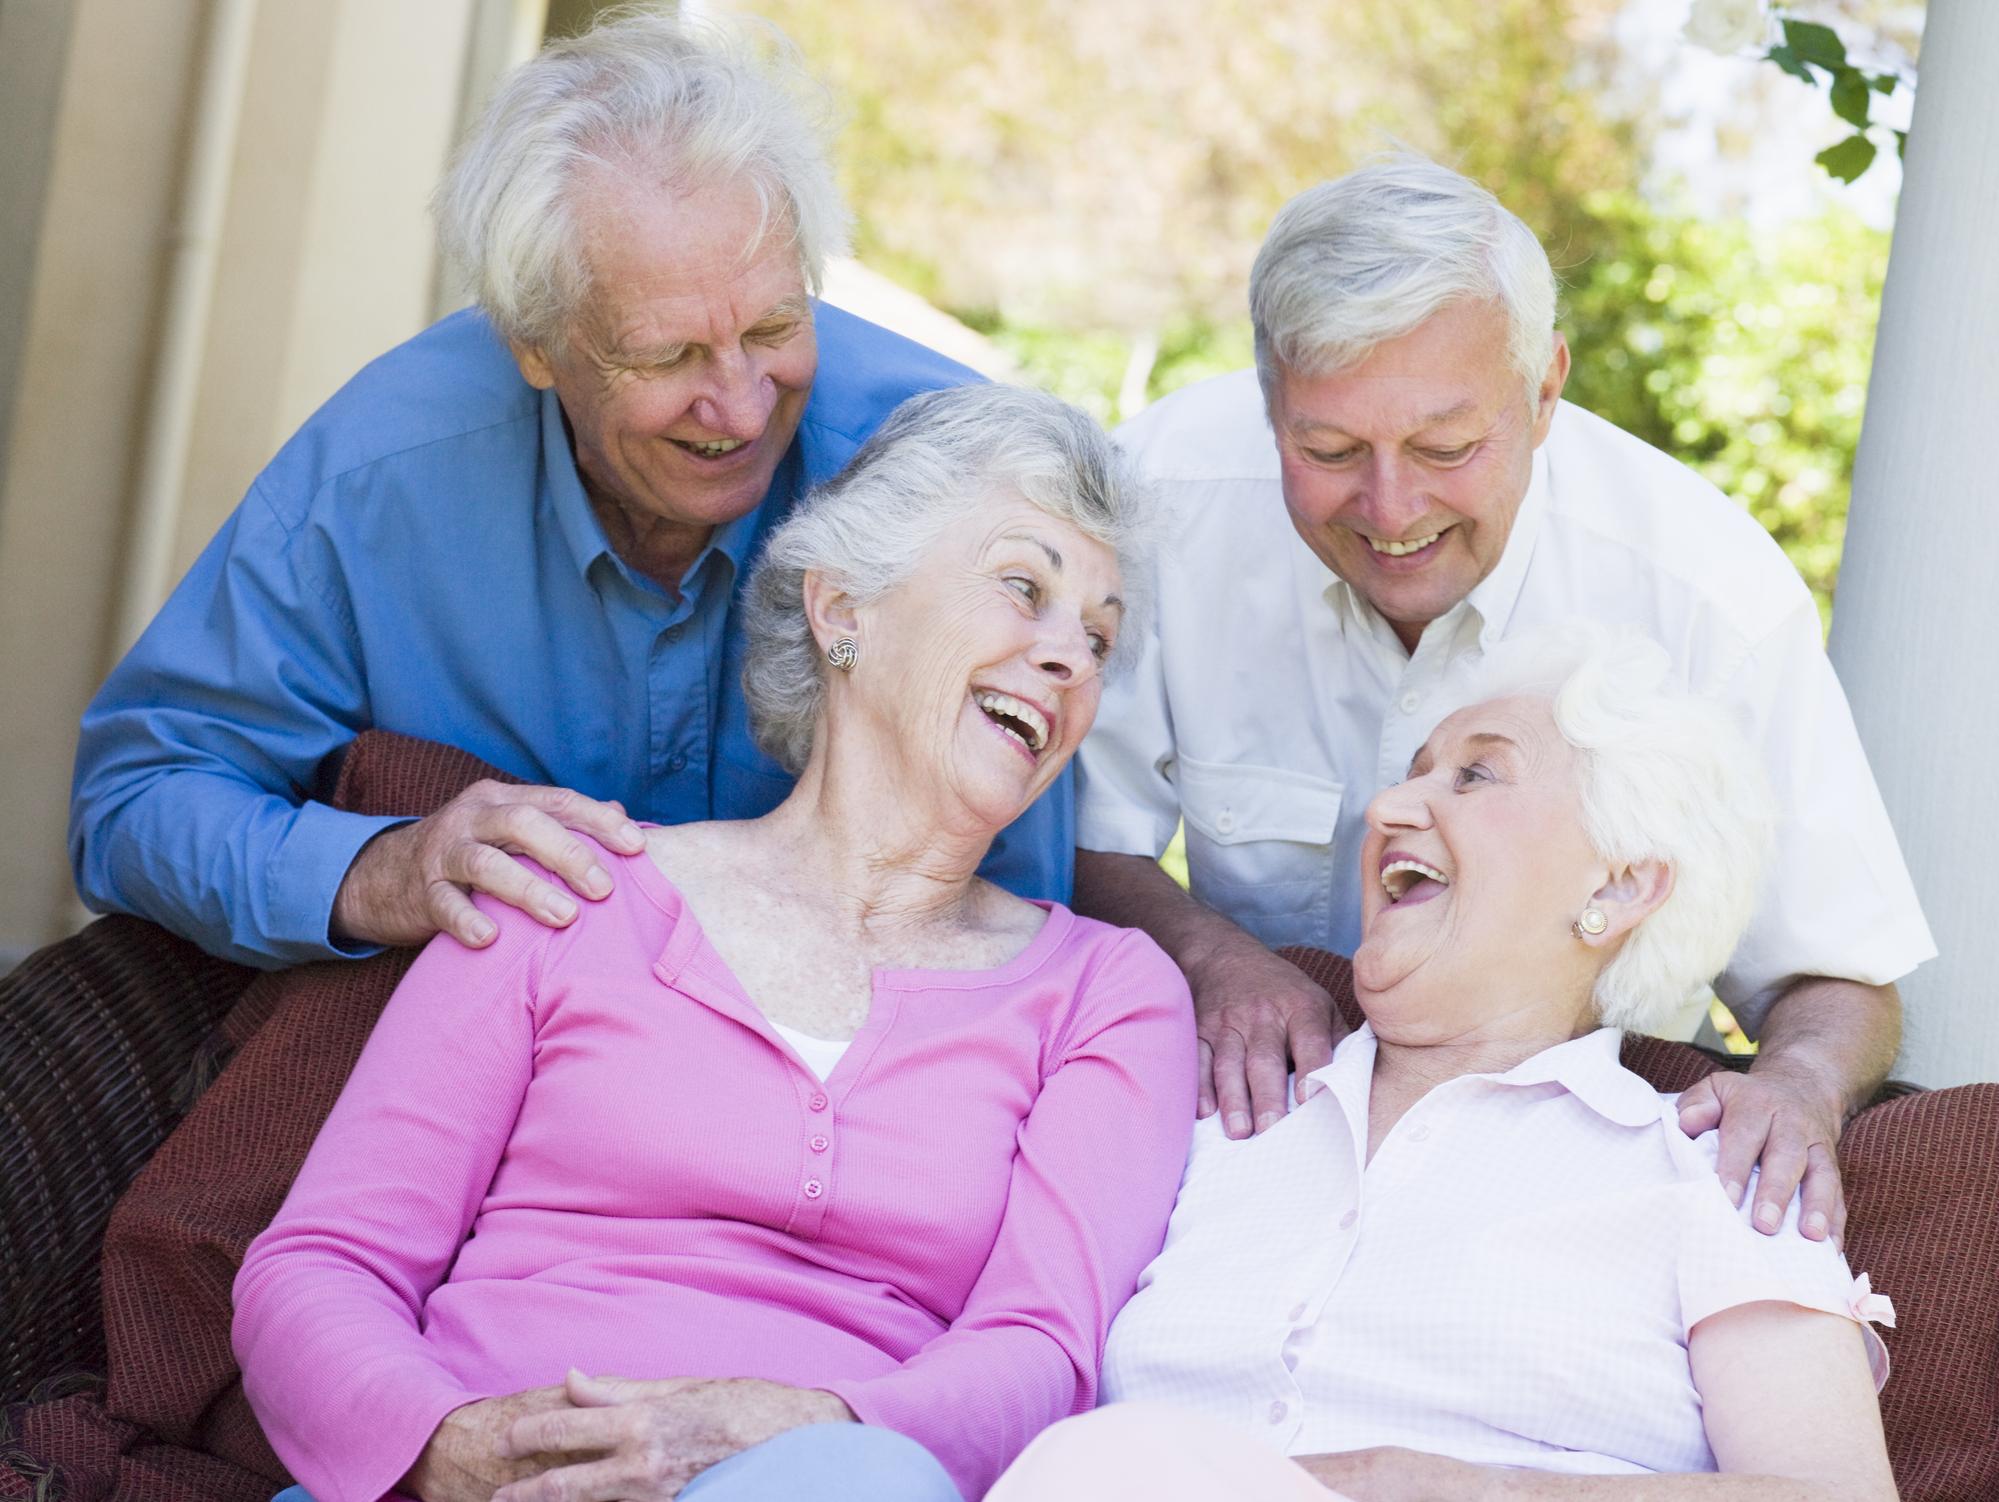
x=1589, y=1068
x=584, y=534
x=1492, y=599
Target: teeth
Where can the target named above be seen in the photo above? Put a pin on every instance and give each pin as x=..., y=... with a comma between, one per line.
x=1015, y=709
x=715, y=447
x=1408, y=868
x=1398, y=549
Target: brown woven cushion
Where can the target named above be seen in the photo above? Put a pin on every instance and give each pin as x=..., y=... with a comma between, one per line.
x=178, y=1236
x=1922, y=1189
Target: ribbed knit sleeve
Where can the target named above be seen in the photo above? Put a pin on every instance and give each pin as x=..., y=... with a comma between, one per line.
x=1096, y=1166
x=330, y=1298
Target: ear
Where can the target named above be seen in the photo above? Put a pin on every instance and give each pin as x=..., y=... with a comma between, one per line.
x=1551, y=389
x=534, y=364
x=828, y=610
x=1628, y=898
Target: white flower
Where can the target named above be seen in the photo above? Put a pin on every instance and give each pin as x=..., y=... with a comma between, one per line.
x=1729, y=26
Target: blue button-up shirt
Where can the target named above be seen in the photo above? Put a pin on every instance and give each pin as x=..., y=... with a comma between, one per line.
x=421, y=557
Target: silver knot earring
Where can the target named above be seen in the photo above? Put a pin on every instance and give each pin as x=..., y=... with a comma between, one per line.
x=1591, y=922
x=844, y=653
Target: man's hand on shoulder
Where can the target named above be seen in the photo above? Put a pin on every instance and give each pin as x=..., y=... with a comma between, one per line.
x=415, y=880
x=1259, y=1018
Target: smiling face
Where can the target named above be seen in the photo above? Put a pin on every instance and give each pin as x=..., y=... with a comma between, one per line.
x=1472, y=873
x=979, y=675
x=1404, y=473
x=685, y=374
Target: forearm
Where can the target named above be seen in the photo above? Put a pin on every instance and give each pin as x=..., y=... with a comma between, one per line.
x=1507, y=1484
x=1135, y=892
x=1838, y=1034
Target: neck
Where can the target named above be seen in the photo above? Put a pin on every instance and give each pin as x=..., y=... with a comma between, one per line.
x=1411, y=1062
x=660, y=549
x=879, y=858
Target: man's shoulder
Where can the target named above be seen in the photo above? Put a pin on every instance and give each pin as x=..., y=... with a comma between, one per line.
x=453, y=381
x=1213, y=430
x=865, y=373
x=1614, y=497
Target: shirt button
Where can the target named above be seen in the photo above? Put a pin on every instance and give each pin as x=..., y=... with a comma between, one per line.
x=820, y=1144
x=1225, y=822
x=1410, y=701
x=674, y=633
x=1347, y=1220
x=817, y=1103
x=1420, y=1134
x=1277, y=1411
x=1297, y=1313
x=678, y=763
x=813, y=1189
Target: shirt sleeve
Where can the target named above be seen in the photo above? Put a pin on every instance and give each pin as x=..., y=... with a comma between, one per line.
x=1839, y=901
x=1125, y=802
x=190, y=801
x=1096, y=1164
x=1726, y=1262
x=330, y=1298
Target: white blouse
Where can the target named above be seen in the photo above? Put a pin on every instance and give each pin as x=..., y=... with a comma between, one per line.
x=1511, y=1280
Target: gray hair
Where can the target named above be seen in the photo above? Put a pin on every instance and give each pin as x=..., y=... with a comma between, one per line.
x=694, y=104
x=939, y=457
x=1368, y=257
x=1666, y=775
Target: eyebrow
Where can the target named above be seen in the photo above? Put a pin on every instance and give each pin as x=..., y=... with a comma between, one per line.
x=1430, y=420
x=656, y=353
x=1477, y=738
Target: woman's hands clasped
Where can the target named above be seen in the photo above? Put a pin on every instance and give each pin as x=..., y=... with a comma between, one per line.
x=612, y=1439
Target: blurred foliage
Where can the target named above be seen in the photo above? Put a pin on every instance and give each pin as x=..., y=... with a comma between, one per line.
x=1088, y=185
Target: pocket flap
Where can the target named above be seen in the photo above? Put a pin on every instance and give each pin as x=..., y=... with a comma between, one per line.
x=1234, y=804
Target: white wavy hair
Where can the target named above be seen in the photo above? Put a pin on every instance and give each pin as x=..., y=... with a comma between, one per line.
x=940, y=456
x=1665, y=775
x=678, y=106
x=1368, y=257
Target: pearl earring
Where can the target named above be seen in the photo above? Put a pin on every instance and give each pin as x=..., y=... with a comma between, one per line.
x=1591, y=923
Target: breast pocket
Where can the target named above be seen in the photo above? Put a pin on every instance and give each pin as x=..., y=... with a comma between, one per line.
x=1260, y=846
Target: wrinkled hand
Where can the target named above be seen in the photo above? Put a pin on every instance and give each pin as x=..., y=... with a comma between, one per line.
x=1388, y=1474
x=411, y=881
x=1787, y=1125
x=653, y=1437
x=462, y=1461
x=1257, y=1017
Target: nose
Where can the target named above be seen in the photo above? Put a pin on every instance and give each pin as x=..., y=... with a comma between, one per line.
x=738, y=398
x=1062, y=651
x=1401, y=807
x=1395, y=500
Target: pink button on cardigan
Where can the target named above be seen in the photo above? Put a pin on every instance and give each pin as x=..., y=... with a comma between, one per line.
x=585, y=1147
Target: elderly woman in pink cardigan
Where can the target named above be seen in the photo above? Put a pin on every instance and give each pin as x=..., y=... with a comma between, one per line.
x=814, y=1150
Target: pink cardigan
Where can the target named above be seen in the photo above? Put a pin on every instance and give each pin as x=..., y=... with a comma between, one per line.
x=586, y=1147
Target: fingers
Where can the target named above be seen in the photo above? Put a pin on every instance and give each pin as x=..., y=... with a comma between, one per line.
x=1311, y=1038
x=617, y=1479
x=527, y=829
x=1782, y=1169
x=1700, y=1109
x=1205, y=1106
x=1744, y=1131
x=487, y=869
x=1267, y=1065
x=560, y=1430
x=453, y=913
x=1824, y=1212
x=1231, y=1079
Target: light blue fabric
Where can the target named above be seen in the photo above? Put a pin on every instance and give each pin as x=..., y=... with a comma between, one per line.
x=421, y=557
x=819, y=1463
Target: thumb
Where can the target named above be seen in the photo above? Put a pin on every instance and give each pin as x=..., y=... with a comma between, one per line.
x=1700, y=1108
x=599, y=1392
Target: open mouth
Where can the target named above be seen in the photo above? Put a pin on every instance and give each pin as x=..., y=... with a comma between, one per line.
x=1413, y=547
x=1015, y=718
x=1409, y=882
x=711, y=448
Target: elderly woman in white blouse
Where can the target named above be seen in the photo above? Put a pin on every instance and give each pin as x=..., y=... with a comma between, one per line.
x=1483, y=1260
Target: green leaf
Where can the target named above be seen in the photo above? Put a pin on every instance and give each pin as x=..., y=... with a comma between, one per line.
x=1791, y=63
x=1850, y=97
x=1883, y=83
x=1901, y=143
x=1815, y=43
x=1848, y=159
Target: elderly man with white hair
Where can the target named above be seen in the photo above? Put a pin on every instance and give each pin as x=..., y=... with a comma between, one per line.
x=520, y=533
x=1395, y=490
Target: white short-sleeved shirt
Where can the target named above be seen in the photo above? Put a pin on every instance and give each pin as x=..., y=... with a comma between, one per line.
x=1510, y=1281
x=1269, y=702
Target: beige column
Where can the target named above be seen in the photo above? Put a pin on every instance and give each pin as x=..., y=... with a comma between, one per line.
x=1915, y=636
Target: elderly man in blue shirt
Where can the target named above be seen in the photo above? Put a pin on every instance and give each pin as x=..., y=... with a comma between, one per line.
x=520, y=533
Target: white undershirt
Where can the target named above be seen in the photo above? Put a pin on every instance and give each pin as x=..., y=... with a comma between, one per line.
x=821, y=1055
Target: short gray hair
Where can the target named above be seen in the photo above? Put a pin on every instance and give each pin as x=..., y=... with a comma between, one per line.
x=939, y=457
x=1666, y=775
x=694, y=103
x=1366, y=258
